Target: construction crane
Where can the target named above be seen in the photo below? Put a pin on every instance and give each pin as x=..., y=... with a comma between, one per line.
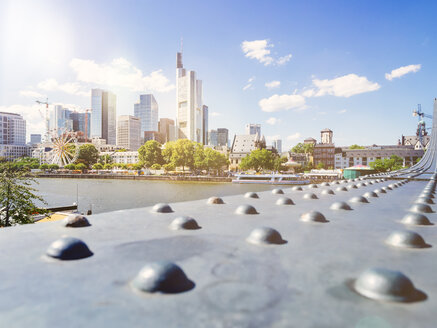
x=421, y=126
x=46, y=118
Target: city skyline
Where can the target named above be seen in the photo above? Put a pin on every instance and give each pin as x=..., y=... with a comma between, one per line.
x=331, y=65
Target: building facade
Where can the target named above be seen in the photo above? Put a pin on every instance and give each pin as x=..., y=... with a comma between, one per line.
x=223, y=137
x=129, y=132
x=12, y=136
x=35, y=139
x=147, y=111
x=123, y=157
x=213, y=138
x=82, y=124
x=205, y=125
x=277, y=144
x=253, y=129
x=189, y=104
x=242, y=146
x=103, y=115
x=324, y=152
x=166, y=127
x=60, y=120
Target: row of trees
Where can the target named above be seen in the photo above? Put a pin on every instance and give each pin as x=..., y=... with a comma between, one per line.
x=387, y=164
x=263, y=159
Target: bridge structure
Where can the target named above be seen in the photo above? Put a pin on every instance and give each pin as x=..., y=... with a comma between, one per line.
x=359, y=253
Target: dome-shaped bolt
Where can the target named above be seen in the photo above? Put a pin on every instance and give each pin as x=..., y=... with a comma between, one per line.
x=392, y=185
x=164, y=277
x=297, y=188
x=313, y=216
x=359, y=199
x=313, y=185
x=370, y=194
x=335, y=182
x=428, y=195
x=341, y=189
x=68, y=248
x=328, y=192
x=370, y=182
x=184, y=223
x=416, y=219
x=277, y=191
x=215, y=200
x=284, y=201
x=379, y=191
x=407, y=239
x=424, y=200
x=340, y=206
x=310, y=195
x=246, y=209
x=387, y=285
x=421, y=208
x=352, y=186
x=162, y=208
x=324, y=184
x=360, y=184
x=350, y=180
x=251, y=194
x=75, y=221
x=265, y=236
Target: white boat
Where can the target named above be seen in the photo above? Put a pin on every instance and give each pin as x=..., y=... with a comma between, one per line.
x=275, y=179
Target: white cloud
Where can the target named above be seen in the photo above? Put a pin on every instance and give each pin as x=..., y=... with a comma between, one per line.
x=281, y=102
x=214, y=114
x=273, y=121
x=120, y=73
x=249, y=83
x=294, y=136
x=259, y=50
x=401, y=71
x=342, y=111
x=308, y=93
x=273, y=84
x=73, y=88
x=31, y=94
x=344, y=86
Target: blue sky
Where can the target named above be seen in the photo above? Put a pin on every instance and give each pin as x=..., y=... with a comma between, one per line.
x=295, y=67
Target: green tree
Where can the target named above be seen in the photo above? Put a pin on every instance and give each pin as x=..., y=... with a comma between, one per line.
x=259, y=159
x=320, y=166
x=156, y=166
x=17, y=197
x=168, y=167
x=105, y=159
x=150, y=153
x=108, y=166
x=44, y=166
x=307, y=148
x=80, y=166
x=199, y=157
x=214, y=160
x=53, y=167
x=355, y=146
x=97, y=166
x=180, y=153
x=88, y=155
x=387, y=164
x=70, y=167
x=279, y=164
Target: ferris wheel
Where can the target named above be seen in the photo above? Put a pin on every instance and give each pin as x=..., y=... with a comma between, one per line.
x=65, y=150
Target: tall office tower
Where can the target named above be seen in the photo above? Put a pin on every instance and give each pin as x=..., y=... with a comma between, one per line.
x=212, y=138
x=35, y=139
x=253, y=129
x=129, y=132
x=222, y=137
x=277, y=144
x=60, y=121
x=189, y=100
x=166, y=129
x=205, y=124
x=147, y=111
x=103, y=115
x=81, y=123
x=12, y=136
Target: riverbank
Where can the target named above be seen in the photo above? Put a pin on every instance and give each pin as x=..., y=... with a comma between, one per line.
x=137, y=177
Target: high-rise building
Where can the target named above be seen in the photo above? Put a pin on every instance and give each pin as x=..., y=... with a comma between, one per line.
x=166, y=127
x=253, y=129
x=223, y=137
x=81, y=123
x=277, y=144
x=35, y=139
x=12, y=136
x=189, y=101
x=212, y=138
x=60, y=121
x=147, y=111
x=129, y=132
x=205, y=124
x=103, y=115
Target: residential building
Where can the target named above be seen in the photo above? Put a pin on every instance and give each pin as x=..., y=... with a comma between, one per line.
x=223, y=137
x=190, y=112
x=35, y=139
x=166, y=127
x=301, y=158
x=123, y=157
x=213, y=138
x=103, y=115
x=415, y=141
x=12, y=136
x=253, y=129
x=242, y=146
x=60, y=120
x=277, y=144
x=129, y=132
x=310, y=141
x=324, y=152
x=147, y=111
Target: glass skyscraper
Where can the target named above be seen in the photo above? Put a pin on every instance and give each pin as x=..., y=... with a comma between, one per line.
x=147, y=111
x=103, y=115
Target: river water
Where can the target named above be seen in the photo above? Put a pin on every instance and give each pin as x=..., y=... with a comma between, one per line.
x=109, y=195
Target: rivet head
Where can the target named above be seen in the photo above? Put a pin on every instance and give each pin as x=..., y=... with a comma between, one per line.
x=162, y=208
x=341, y=189
x=164, y=277
x=407, y=239
x=76, y=221
x=310, y=195
x=246, y=209
x=424, y=200
x=336, y=182
x=343, y=181
x=265, y=236
x=313, y=185
x=325, y=184
x=277, y=191
x=284, y=201
x=370, y=182
x=297, y=188
x=387, y=285
x=328, y=192
x=340, y=206
x=415, y=219
x=426, y=194
x=215, y=200
x=359, y=199
x=393, y=185
x=184, y=223
x=68, y=248
x=352, y=186
x=251, y=194
x=313, y=216
x=421, y=208
x=360, y=184
x=380, y=191
x=370, y=194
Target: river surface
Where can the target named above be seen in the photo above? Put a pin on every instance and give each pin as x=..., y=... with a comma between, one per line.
x=109, y=195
